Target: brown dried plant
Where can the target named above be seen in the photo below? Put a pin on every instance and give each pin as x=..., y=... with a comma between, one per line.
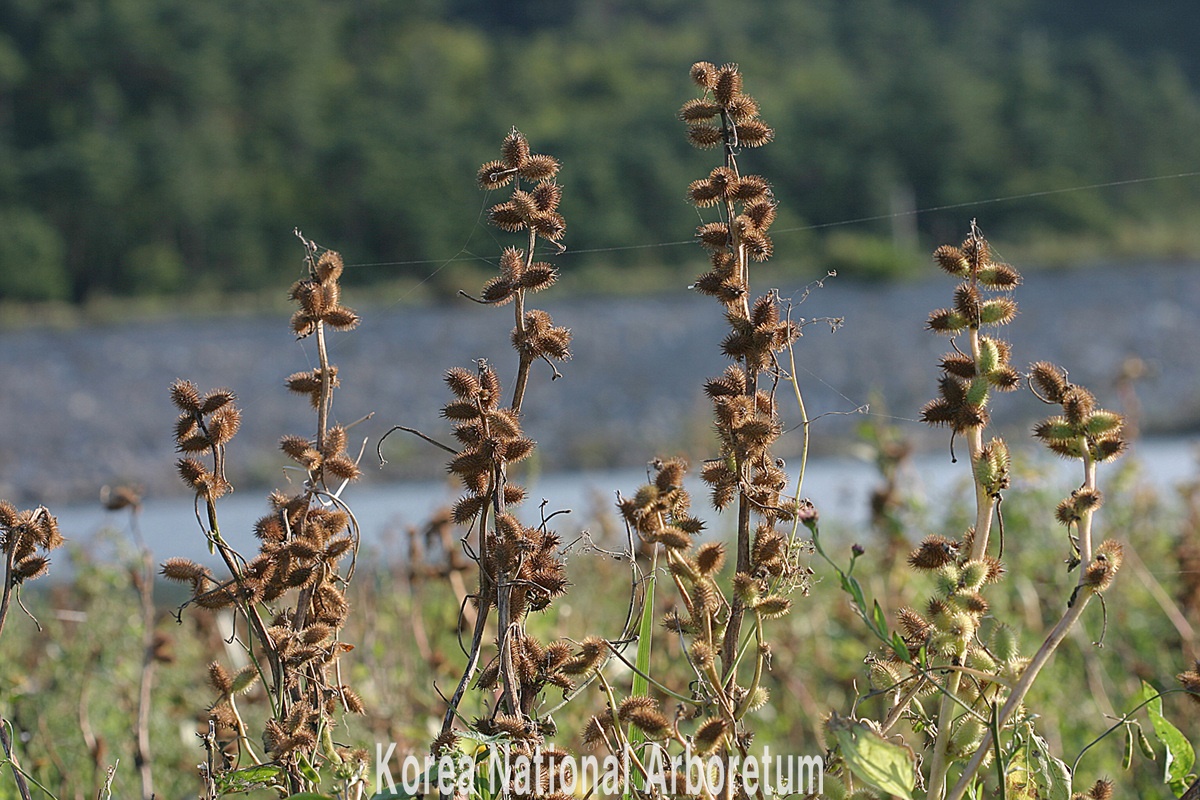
x=291, y=595
x=520, y=567
x=26, y=539
x=728, y=664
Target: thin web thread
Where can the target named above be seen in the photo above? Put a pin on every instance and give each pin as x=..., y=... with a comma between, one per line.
x=465, y=255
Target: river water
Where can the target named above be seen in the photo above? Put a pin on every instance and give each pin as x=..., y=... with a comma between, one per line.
x=87, y=406
x=839, y=486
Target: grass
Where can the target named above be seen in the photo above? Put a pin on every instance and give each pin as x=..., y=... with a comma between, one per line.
x=90, y=621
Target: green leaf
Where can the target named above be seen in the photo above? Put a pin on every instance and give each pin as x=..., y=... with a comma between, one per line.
x=1180, y=756
x=310, y=796
x=883, y=765
x=641, y=683
x=1053, y=776
x=880, y=620
x=259, y=774
x=307, y=770
x=257, y=777
x=1019, y=780
x=900, y=648
x=854, y=588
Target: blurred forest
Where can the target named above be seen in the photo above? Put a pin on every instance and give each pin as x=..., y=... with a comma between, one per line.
x=152, y=147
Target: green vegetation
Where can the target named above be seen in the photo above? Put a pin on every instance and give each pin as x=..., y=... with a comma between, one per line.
x=146, y=148
x=404, y=630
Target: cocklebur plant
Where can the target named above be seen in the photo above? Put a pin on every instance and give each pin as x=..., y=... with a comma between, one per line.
x=981, y=302
x=746, y=416
x=954, y=653
x=521, y=568
x=290, y=596
x=26, y=539
x=728, y=662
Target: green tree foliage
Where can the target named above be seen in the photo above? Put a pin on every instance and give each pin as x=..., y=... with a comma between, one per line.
x=147, y=146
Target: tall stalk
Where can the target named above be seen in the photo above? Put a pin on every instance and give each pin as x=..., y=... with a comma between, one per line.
x=296, y=580
x=520, y=568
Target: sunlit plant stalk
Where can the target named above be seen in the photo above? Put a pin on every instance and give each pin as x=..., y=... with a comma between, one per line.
x=294, y=654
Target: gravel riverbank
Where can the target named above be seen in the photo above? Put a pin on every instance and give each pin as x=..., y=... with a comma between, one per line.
x=88, y=406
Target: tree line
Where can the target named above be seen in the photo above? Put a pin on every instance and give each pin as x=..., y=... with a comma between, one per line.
x=150, y=147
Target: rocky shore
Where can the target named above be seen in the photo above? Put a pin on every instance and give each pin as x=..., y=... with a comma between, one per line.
x=88, y=406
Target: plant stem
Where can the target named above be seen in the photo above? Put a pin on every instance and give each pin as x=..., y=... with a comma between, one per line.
x=985, y=504
x=1068, y=619
x=141, y=757
x=472, y=661
x=758, y=669
x=985, y=509
x=326, y=387
x=11, y=757
x=1075, y=608
x=252, y=615
x=525, y=361
x=941, y=763
x=6, y=593
x=804, y=444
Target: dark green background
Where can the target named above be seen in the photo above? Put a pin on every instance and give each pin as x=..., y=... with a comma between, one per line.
x=161, y=147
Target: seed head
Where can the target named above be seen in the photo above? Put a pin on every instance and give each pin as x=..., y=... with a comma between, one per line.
x=742, y=108
x=1099, y=575
x=754, y=133
x=1048, y=380
x=702, y=193
x=1190, y=681
x=29, y=568
x=935, y=551
x=539, y=167
x=946, y=321
x=224, y=424
x=916, y=628
x=329, y=266
x=710, y=558
x=643, y=714
x=698, y=110
x=514, y=150
x=710, y=735
x=216, y=399
x=704, y=74
x=340, y=318
x=952, y=260
x=183, y=570
x=219, y=679
x=1000, y=277
x=494, y=175
x=773, y=607
x=728, y=84
x=704, y=136
x=185, y=396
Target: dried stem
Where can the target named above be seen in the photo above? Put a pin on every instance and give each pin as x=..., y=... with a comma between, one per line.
x=142, y=755
x=525, y=359
x=6, y=592
x=11, y=757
